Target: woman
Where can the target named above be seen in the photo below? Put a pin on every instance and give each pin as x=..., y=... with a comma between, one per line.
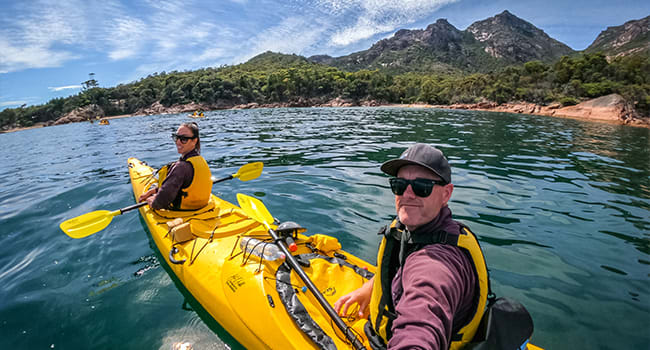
x=185, y=184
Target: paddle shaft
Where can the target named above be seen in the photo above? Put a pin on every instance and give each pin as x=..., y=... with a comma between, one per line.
x=131, y=207
x=321, y=299
x=224, y=179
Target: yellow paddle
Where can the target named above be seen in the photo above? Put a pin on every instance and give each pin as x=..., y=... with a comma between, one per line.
x=93, y=222
x=247, y=172
x=89, y=223
x=254, y=208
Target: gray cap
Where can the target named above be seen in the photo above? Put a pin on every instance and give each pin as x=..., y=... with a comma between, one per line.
x=423, y=155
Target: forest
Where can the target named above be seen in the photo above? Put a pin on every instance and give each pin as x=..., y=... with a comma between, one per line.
x=277, y=78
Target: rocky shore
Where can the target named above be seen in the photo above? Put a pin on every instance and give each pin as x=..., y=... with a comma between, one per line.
x=608, y=109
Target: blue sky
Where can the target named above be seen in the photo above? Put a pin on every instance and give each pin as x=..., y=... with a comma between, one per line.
x=48, y=47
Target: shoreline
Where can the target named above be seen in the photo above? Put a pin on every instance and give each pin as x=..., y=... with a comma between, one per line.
x=43, y=125
x=613, y=111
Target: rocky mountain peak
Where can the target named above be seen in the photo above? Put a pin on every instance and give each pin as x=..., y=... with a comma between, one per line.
x=629, y=38
x=441, y=24
x=439, y=33
x=509, y=37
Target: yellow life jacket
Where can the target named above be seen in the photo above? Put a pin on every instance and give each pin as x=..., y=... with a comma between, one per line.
x=382, y=311
x=197, y=194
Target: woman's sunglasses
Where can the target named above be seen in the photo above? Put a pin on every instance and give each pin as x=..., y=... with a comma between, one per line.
x=183, y=138
x=421, y=187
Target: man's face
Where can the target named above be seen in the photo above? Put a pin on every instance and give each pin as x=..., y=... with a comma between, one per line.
x=414, y=211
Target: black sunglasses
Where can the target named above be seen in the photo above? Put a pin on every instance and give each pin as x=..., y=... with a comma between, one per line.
x=183, y=138
x=421, y=187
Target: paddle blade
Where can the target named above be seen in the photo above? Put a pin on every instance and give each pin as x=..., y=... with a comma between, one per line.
x=255, y=209
x=249, y=171
x=87, y=224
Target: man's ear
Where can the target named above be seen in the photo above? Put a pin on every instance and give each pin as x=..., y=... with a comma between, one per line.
x=448, y=189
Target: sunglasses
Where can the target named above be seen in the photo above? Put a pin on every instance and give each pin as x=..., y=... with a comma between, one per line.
x=421, y=187
x=183, y=138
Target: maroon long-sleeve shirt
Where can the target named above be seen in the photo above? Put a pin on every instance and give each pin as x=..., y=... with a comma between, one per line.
x=179, y=176
x=433, y=292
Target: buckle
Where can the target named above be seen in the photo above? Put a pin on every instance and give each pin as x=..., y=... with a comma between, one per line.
x=442, y=237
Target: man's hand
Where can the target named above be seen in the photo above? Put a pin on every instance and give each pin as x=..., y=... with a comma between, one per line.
x=360, y=296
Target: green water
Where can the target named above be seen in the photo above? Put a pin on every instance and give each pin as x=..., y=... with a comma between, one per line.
x=561, y=207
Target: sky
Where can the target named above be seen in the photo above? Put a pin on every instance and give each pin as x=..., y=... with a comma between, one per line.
x=49, y=47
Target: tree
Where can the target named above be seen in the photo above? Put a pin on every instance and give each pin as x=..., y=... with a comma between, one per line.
x=91, y=82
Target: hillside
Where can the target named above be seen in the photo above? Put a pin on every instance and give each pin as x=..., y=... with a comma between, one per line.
x=631, y=38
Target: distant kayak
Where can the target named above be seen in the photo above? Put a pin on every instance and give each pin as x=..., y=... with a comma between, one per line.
x=104, y=122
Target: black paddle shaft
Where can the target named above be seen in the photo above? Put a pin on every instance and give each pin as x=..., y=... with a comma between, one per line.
x=134, y=206
x=224, y=179
x=321, y=299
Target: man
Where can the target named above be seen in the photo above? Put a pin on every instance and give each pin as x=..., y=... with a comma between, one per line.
x=431, y=285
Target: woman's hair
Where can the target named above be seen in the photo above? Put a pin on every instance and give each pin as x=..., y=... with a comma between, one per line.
x=195, y=132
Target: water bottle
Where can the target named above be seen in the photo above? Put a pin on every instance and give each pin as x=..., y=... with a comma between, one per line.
x=263, y=250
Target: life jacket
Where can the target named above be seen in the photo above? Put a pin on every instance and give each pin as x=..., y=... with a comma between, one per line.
x=197, y=194
x=382, y=310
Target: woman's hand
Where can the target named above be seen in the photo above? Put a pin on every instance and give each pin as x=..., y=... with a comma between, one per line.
x=360, y=296
x=151, y=199
x=147, y=194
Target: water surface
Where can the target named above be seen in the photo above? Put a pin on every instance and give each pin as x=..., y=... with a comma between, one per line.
x=561, y=208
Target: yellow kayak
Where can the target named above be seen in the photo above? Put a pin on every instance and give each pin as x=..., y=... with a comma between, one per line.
x=215, y=252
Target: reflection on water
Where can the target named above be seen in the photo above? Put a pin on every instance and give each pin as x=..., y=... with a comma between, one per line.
x=561, y=207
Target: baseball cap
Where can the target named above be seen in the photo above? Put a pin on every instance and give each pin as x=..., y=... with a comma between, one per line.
x=423, y=155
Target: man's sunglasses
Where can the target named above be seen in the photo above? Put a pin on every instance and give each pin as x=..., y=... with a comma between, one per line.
x=183, y=138
x=421, y=187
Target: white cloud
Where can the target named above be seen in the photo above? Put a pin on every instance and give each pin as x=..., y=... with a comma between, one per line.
x=126, y=37
x=363, y=29
x=37, y=35
x=293, y=35
x=177, y=25
x=49, y=21
x=377, y=16
x=13, y=103
x=209, y=54
x=15, y=58
x=67, y=87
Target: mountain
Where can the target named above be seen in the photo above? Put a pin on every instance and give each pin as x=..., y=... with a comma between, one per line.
x=440, y=47
x=509, y=37
x=271, y=61
x=485, y=45
x=631, y=38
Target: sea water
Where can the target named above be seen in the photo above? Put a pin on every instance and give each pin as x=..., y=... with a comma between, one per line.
x=561, y=208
